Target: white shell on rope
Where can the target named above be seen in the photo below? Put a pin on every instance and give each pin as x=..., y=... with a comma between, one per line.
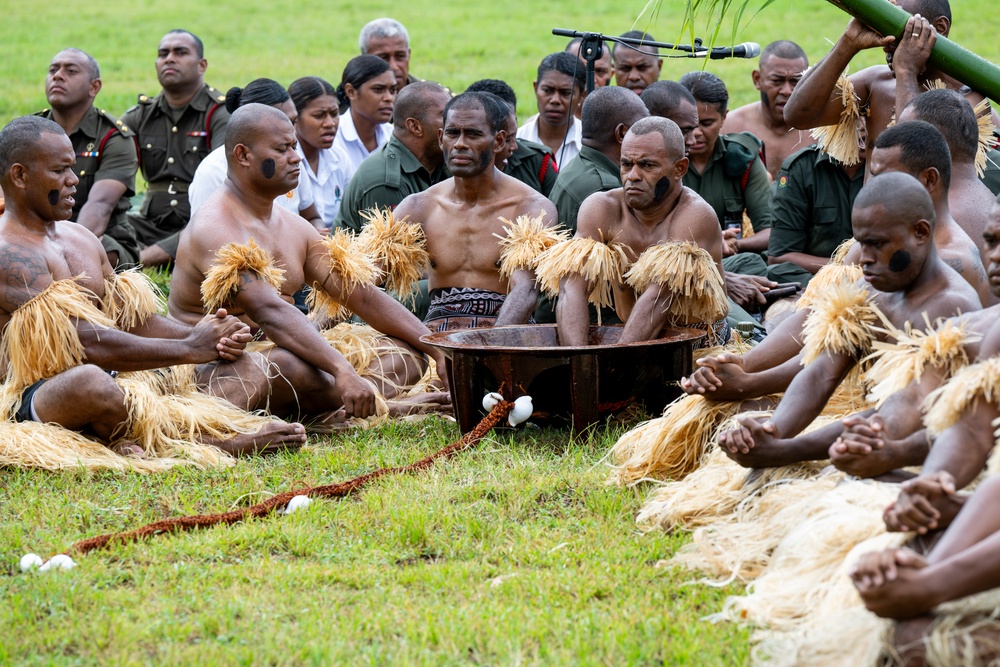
x=58, y=562
x=521, y=412
x=296, y=503
x=490, y=401
x=30, y=561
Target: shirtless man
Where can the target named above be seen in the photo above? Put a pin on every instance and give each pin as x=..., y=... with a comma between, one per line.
x=882, y=89
x=461, y=219
x=308, y=377
x=894, y=437
x=652, y=207
x=953, y=116
x=893, y=220
x=904, y=585
x=915, y=149
x=780, y=67
x=39, y=246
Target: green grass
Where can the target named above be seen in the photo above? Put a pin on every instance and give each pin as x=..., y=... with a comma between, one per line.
x=512, y=553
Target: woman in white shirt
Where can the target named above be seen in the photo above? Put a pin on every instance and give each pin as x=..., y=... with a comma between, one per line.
x=368, y=89
x=211, y=173
x=324, y=165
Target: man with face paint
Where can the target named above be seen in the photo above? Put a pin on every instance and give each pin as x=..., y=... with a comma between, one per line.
x=528, y=161
x=237, y=239
x=106, y=157
x=608, y=114
x=918, y=149
x=176, y=129
x=651, y=210
x=48, y=265
x=893, y=220
x=882, y=89
x=411, y=161
x=461, y=218
x=780, y=67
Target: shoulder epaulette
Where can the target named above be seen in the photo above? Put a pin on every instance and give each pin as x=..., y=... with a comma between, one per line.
x=144, y=99
x=120, y=126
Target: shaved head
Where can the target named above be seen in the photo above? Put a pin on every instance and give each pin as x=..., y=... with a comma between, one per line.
x=605, y=108
x=19, y=137
x=248, y=123
x=417, y=100
x=903, y=197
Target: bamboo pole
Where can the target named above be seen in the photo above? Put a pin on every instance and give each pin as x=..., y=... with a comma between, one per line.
x=964, y=65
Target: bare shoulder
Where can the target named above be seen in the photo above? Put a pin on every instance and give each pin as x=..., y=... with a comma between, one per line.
x=872, y=78
x=741, y=119
x=532, y=202
x=958, y=297
x=601, y=214
x=416, y=205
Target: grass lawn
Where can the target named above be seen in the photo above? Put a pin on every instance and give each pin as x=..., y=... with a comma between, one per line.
x=513, y=553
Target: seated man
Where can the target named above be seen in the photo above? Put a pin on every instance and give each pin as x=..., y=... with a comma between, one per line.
x=811, y=205
x=636, y=67
x=780, y=67
x=607, y=116
x=242, y=250
x=904, y=585
x=388, y=39
x=883, y=90
x=893, y=220
x=409, y=162
x=56, y=267
x=560, y=85
x=602, y=66
x=462, y=216
x=668, y=235
x=528, y=161
x=953, y=116
x=106, y=154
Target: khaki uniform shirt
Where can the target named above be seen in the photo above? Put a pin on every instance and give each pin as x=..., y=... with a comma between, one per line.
x=172, y=143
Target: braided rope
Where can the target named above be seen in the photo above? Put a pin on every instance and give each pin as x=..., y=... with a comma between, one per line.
x=340, y=490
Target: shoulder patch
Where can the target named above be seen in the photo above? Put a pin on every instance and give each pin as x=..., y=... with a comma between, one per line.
x=144, y=99
x=783, y=181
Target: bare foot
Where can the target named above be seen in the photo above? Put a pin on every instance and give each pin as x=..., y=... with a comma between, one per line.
x=273, y=437
x=334, y=421
x=438, y=401
x=128, y=449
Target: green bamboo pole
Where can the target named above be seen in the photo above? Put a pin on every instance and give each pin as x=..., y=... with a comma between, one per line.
x=964, y=65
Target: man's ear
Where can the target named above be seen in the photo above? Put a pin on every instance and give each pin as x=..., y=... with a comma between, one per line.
x=930, y=177
x=499, y=141
x=95, y=87
x=243, y=155
x=18, y=176
x=620, y=132
x=923, y=231
x=415, y=127
x=681, y=167
x=755, y=75
x=202, y=66
x=942, y=24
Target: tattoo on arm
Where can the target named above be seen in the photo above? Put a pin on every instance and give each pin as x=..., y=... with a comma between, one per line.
x=955, y=263
x=21, y=269
x=246, y=279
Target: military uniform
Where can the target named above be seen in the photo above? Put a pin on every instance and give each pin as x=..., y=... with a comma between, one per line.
x=172, y=143
x=105, y=149
x=812, y=202
x=736, y=158
x=385, y=178
x=592, y=171
x=534, y=165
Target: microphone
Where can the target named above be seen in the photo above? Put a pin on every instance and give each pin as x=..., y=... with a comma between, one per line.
x=744, y=50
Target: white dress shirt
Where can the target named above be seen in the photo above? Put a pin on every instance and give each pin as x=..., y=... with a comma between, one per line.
x=211, y=173
x=567, y=151
x=348, y=141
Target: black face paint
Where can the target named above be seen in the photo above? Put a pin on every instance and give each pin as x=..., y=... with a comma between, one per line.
x=662, y=188
x=899, y=261
x=53, y=197
x=267, y=168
